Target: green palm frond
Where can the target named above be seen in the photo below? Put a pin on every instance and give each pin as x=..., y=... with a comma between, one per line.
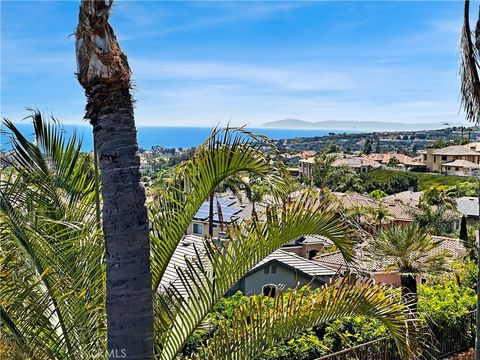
x=470, y=82
x=207, y=278
x=52, y=286
x=226, y=153
x=261, y=324
x=409, y=249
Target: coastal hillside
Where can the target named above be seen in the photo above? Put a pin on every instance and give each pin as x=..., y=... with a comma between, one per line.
x=349, y=125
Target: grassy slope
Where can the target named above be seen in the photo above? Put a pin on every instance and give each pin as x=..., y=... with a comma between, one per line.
x=425, y=180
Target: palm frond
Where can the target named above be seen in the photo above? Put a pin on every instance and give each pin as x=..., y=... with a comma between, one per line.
x=50, y=246
x=226, y=153
x=262, y=324
x=207, y=278
x=470, y=82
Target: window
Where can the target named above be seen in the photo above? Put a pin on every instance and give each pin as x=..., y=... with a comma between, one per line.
x=269, y=290
x=444, y=157
x=198, y=229
x=266, y=270
x=274, y=269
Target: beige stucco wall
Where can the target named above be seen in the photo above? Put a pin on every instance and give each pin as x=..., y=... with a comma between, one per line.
x=392, y=278
x=216, y=228
x=434, y=162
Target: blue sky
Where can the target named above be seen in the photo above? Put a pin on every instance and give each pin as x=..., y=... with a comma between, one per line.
x=205, y=63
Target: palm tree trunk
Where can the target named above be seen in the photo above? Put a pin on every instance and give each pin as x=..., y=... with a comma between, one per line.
x=409, y=291
x=97, y=183
x=104, y=73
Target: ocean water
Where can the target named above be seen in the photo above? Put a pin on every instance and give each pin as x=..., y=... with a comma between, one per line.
x=171, y=137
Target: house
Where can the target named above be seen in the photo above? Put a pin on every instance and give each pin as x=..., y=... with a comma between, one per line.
x=400, y=213
x=435, y=158
x=283, y=269
x=291, y=159
x=410, y=198
x=226, y=211
x=460, y=167
x=188, y=248
x=468, y=206
x=378, y=271
x=308, y=246
x=360, y=164
x=280, y=269
x=399, y=160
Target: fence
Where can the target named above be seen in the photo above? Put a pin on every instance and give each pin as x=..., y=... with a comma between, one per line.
x=444, y=342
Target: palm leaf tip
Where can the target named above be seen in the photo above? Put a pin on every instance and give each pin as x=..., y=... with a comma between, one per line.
x=262, y=323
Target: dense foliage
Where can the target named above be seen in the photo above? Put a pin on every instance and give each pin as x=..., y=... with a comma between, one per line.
x=395, y=182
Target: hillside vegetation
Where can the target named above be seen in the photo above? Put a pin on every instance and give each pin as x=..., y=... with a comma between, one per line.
x=425, y=180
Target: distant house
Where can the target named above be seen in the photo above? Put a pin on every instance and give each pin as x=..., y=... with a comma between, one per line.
x=410, y=198
x=308, y=246
x=402, y=161
x=468, y=206
x=445, y=159
x=400, y=212
x=226, y=211
x=360, y=164
x=460, y=167
x=285, y=270
x=291, y=159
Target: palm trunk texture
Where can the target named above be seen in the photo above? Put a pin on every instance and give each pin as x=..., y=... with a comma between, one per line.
x=409, y=291
x=104, y=73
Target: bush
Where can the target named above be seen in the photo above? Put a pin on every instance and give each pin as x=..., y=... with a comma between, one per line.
x=393, y=183
x=444, y=303
x=307, y=346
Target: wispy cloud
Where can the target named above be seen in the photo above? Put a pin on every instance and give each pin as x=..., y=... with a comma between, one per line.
x=221, y=12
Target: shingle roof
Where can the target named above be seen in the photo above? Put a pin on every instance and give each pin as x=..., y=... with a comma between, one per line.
x=185, y=250
x=356, y=162
x=399, y=210
x=455, y=150
x=462, y=163
x=336, y=260
x=468, y=206
x=291, y=260
x=410, y=198
x=384, y=158
x=455, y=246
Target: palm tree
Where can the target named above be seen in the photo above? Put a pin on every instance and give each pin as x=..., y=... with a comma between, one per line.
x=53, y=268
x=435, y=219
x=411, y=251
x=381, y=214
x=438, y=197
x=336, y=178
x=470, y=95
x=104, y=73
